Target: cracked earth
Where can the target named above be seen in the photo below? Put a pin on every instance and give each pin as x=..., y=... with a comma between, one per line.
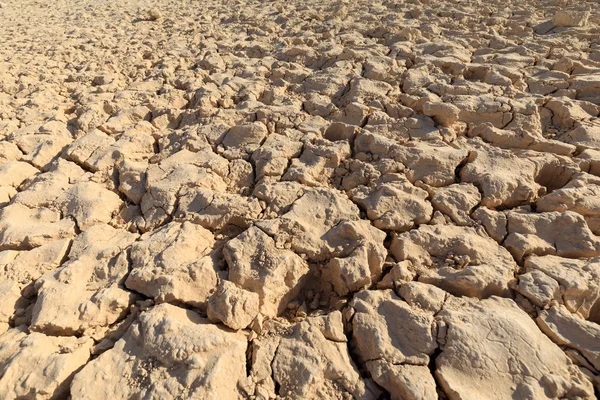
x=299, y=199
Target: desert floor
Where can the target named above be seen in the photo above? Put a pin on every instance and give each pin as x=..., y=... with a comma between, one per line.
x=299, y=199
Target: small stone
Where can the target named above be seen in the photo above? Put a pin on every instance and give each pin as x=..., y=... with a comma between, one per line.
x=565, y=19
x=154, y=14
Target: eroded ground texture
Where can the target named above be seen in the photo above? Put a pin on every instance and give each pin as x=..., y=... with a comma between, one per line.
x=299, y=199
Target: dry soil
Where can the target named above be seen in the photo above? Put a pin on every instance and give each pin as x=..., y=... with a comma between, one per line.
x=299, y=199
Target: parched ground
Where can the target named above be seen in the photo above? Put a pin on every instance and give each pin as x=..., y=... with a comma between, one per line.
x=299, y=199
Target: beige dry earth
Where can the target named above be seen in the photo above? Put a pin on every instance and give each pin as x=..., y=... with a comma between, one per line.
x=297, y=199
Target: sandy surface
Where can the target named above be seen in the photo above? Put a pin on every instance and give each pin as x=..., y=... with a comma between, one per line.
x=299, y=199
